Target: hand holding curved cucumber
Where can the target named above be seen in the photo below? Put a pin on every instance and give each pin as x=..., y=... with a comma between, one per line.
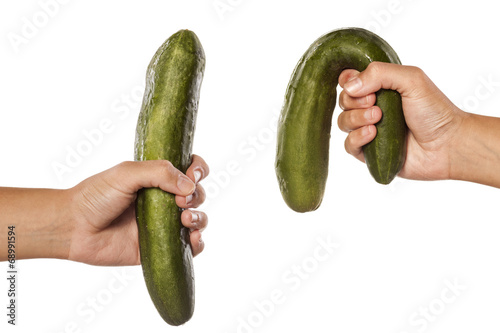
x=105, y=228
x=433, y=120
x=303, y=143
x=444, y=142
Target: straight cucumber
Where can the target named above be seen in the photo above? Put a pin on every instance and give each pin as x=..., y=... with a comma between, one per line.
x=306, y=118
x=165, y=131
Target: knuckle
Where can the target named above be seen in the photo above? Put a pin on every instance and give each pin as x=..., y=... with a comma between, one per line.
x=206, y=170
x=417, y=74
x=341, y=122
x=200, y=194
x=165, y=164
x=121, y=168
x=165, y=167
x=165, y=171
x=199, y=162
x=204, y=166
x=348, y=144
x=124, y=165
x=341, y=100
x=374, y=68
x=352, y=118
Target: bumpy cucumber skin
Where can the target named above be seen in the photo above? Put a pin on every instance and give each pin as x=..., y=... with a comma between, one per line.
x=165, y=131
x=306, y=118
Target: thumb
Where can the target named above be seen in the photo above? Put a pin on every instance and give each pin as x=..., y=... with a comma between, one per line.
x=381, y=75
x=132, y=176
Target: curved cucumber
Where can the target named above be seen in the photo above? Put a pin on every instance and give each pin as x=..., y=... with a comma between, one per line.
x=306, y=117
x=165, y=131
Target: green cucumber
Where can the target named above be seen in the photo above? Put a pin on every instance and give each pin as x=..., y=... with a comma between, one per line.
x=165, y=131
x=306, y=118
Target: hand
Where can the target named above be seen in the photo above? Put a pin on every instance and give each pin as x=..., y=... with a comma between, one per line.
x=433, y=120
x=105, y=230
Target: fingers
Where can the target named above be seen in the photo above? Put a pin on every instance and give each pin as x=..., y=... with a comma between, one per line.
x=193, y=200
x=193, y=219
x=347, y=102
x=359, y=124
x=346, y=75
x=357, y=139
x=380, y=75
x=353, y=119
x=197, y=222
x=357, y=100
x=197, y=243
x=198, y=169
x=130, y=177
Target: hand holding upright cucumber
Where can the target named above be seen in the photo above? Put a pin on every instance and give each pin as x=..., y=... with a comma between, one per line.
x=443, y=141
x=105, y=231
x=165, y=131
x=94, y=222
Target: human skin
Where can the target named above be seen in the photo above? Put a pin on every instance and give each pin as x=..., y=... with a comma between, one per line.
x=94, y=222
x=444, y=142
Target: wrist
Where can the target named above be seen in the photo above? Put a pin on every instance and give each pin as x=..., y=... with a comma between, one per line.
x=42, y=221
x=65, y=224
x=459, y=159
x=476, y=155
x=51, y=236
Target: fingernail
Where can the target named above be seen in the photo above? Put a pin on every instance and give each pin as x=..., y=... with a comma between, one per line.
x=197, y=175
x=369, y=114
x=366, y=130
x=189, y=198
x=185, y=184
x=353, y=85
x=366, y=100
x=195, y=217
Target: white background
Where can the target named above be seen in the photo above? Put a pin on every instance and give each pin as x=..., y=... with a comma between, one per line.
x=399, y=244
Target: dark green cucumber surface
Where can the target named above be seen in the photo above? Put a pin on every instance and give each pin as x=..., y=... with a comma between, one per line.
x=306, y=118
x=165, y=131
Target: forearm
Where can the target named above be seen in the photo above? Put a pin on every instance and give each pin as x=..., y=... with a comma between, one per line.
x=41, y=220
x=476, y=155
